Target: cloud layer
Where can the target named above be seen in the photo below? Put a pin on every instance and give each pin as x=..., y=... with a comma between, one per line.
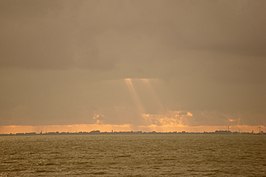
x=65, y=62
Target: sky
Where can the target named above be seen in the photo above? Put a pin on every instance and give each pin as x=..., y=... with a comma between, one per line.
x=150, y=65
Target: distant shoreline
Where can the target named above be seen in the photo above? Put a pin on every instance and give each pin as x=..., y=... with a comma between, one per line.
x=97, y=132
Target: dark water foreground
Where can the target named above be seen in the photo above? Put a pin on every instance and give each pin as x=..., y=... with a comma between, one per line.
x=133, y=155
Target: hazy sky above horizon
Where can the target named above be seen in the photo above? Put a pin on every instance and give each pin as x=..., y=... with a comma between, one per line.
x=142, y=63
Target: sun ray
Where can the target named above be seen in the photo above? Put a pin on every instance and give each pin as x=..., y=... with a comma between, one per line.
x=134, y=95
x=154, y=95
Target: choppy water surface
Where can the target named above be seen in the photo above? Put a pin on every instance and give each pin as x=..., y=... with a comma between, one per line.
x=133, y=155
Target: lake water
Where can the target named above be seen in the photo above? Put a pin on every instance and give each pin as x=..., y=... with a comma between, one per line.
x=133, y=155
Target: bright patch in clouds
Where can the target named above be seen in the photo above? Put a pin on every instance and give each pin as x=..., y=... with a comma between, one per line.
x=171, y=118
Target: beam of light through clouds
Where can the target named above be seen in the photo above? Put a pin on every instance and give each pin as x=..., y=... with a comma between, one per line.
x=133, y=93
x=153, y=94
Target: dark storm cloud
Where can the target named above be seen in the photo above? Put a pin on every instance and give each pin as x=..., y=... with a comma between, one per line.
x=209, y=55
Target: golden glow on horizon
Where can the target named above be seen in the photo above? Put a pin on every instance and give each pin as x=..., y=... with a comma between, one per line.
x=64, y=128
x=126, y=127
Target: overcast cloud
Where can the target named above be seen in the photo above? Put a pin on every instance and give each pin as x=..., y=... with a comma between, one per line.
x=66, y=62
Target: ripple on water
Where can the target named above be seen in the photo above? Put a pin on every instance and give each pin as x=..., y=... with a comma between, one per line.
x=136, y=155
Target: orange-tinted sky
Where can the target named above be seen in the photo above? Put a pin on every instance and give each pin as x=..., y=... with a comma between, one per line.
x=148, y=65
x=125, y=127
